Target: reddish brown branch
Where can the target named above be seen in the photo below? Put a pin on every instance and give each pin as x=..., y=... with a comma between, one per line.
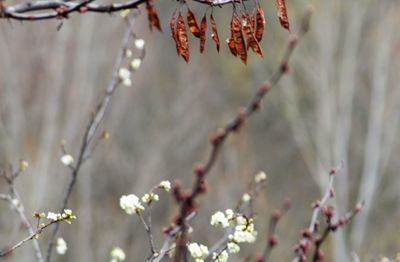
x=187, y=201
x=273, y=222
x=332, y=227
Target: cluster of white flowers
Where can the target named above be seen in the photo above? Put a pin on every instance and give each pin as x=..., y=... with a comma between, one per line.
x=244, y=232
x=219, y=220
x=61, y=246
x=198, y=252
x=131, y=204
x=117, y=255
x=221, y=256
x=125, y=74
x=165, y=185
x=66, y=216
x=150, y=197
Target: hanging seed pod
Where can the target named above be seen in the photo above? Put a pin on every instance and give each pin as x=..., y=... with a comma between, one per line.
x=236, y=29
x=203, y=30
x=194, y=28
x=173, y=31
x=214, y=34
x=250, y=38
x=232, y=46
x=182, y=39
x=260, y=23
x=282, y=14
x=154, y=21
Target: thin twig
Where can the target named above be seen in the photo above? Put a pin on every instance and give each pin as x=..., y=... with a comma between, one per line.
x=147, y=227
x=91, y=129
x=32, y=236
x=15, y=202
x=317, y=209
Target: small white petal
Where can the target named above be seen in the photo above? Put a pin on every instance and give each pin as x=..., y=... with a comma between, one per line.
x=117, y=254
x=135, y=64
x=124, y=73
x=127, y=82
x=139, y=44
x=67, y=160
x=166, y=185
x=61, y=246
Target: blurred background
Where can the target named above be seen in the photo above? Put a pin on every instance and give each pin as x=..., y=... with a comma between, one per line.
x=341, y=102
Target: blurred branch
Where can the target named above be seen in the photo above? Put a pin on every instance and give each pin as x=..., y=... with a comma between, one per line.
x=61, y=9
x=318, y=254
x=273, y=223
x=15, y=203
x=92, y=127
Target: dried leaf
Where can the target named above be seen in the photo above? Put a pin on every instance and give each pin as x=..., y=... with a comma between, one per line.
x=203, y=29
x=182, y=38
x=236, y=29
x=152, y=15
x=173, y=31
x=214, y=34
x=194, y=28
x=260, y=23
x=232, y=46
x=250, y=38
x=282, y=14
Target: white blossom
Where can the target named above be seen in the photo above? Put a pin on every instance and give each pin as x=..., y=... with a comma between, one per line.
x=229, y=214
x=127, y=82
x=198, y=252
x=135, y=64
x=67, y=160
x=53, y=216
x=61, y=246
x=68, y=212
x=246, y=197
x=241, y=220
x=139, y=43
x=261, y=176
x=150, y=197
x=221, y=257
x=125, y=76
x=243, y=236
x=165, y=185
x=117, y=255
x=219, y=219
x=233, y=247
x=131, y=204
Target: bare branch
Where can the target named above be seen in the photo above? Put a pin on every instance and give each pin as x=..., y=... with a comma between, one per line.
x=62, y=9
x=16, y=204
x=94, y=122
